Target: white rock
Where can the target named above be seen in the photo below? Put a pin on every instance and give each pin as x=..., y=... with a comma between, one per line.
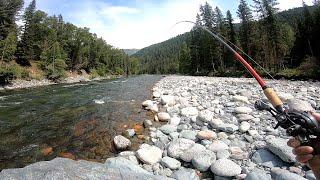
x=156, y=94
x=168, y=100
x=175, y=121
x=244, y=126
x=121, y=142
x=170, y=162
x=280, y=148
x=241, y=99
x=215, y=123
x=243, y=110
x=189, y=111
x=225, y=167
x=244, y=117
x=147, y=103
x=205, y=116
x=188, y=155
x=167, y=128
x=203, y=160
x=163, y=116
x=218, y=146
x=285, y=96
x=149, y=155
x=253, y=133
x=178, y=146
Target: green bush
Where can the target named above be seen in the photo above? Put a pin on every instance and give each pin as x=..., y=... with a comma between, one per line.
x=6, y=76
x=310, y=68
x=56, y=70
x=290, y=73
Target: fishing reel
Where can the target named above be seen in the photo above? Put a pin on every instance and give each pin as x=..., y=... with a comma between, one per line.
x=297, y=124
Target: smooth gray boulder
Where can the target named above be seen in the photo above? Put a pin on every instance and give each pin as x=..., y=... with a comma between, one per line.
x=203, y=160
x=299, y=105
x=282, y=174
x=61, y=168
x=170, y=163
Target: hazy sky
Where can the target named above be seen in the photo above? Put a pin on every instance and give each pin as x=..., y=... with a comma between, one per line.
x=138, y=23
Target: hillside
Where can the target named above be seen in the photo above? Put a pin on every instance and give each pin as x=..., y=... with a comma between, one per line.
x=130, y=52
x=162, y=57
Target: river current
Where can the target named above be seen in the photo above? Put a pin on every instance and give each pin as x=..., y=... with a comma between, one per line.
x=73, y=120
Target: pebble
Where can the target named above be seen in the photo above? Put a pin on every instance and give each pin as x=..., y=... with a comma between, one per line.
x=121, y=142
x=267, y=159
x=168, y=128
x=185, y=174
x=147, y=123
x=206, y=134
x=188, y=155
x=228, y=128
x=168, y=100
x=203, y=160
x=163, y=116
x=299, y=105
x=258, y=174
x=244, y=126
x=175, y=121
x=243, y=110
x=189, y=111
x=170, y=163
x=188, y=134
x=149, y=154
x=178, y=146
x=205, y=115
x=277, y=173
x=225, y=167
x=244, y=117
x=215, y=123
x=217, y=145
x=130, y=132
x=241, y=99
x=223, y=154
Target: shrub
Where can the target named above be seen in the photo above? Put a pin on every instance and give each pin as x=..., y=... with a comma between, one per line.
x=6, y=76
x=56, y=70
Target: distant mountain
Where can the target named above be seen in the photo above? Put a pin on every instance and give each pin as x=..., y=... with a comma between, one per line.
x=130, y=52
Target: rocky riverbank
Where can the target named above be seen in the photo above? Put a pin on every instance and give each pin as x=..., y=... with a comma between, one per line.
x=20, y=84
x=203, y=128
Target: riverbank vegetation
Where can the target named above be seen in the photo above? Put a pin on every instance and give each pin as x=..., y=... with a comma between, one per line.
x=48, y=47
x=286, y=44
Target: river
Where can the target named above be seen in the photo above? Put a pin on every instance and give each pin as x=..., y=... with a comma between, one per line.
x=77, y=120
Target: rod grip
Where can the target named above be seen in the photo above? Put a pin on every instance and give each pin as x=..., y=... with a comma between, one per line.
x=273, y=97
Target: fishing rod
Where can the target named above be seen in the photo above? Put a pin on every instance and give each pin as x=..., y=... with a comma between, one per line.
x=298, y=124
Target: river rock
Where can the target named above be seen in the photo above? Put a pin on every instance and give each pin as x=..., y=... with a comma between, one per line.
x=241, y=99
x=206, y=134
x=244, y=117
x=188, y=154
x=299, y=105
x=244, y=126
x=203, y=160
x=285, y=96
x=228, y=128
x=147, y=103
x=189, y=111
x=175, y=121
x=267, y=159
x=168, y=100
x=149, y=154
x=123, y=164
x=62, y=168
x=185, y=174
x=170, y=162
x=217, y=145
x=279, y=147
x=223, y=154
x=147, y=123
x=225, y=167
x=188, y=134
x=121, y=142
x=178, y=146
x=215, y=123
x=156, y=94
x=168, y=128
x=282, y=174
x=243, y=110
x=205, y=116
x=258, y=174
x=130, y=132
x=163, y=116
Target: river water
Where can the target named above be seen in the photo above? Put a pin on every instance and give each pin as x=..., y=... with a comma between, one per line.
x=77, y=120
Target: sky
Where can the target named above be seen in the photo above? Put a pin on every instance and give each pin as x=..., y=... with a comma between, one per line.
x=128, y=24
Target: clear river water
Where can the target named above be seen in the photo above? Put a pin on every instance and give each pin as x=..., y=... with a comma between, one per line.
x=69, y=120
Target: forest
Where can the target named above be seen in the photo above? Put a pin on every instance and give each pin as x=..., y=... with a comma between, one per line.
x=285, y=44
x=47, y=47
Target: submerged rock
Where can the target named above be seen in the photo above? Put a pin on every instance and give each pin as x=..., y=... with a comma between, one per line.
x=121, y=142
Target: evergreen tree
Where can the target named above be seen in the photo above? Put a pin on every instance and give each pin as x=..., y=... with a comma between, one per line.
x=9, y=10
x=9, y=47
x=246, y=26
x=185, y=64
x=231, y=35
x=26, y=51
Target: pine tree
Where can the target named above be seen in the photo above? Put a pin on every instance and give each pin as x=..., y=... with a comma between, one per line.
x=9, y=10
x=185, y=64
x=26, y=51
x=231, y=35
x=246, y=27
x=9, y=47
